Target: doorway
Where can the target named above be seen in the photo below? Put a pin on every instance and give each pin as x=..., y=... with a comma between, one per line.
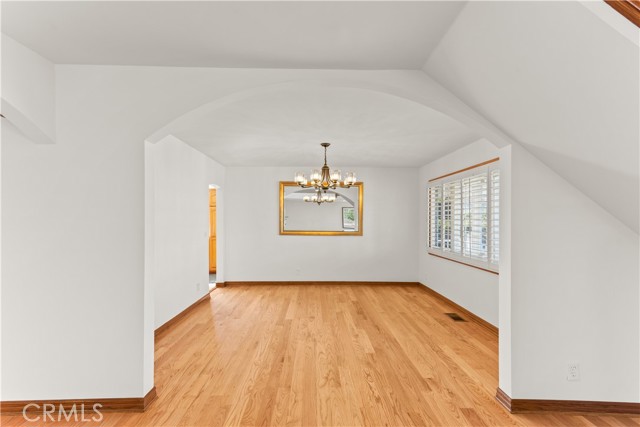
x=212, y=237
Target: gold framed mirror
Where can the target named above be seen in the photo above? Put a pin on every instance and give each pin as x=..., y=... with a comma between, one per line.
x=341, y=215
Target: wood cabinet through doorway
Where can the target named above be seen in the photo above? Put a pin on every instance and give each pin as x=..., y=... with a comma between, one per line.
x=212, y=231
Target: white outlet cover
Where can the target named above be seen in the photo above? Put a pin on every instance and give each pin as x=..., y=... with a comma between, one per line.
x=573, y=372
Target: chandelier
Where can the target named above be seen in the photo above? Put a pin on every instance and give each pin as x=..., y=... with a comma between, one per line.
x=323, y=180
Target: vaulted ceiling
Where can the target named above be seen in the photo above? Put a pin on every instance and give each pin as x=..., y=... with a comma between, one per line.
x=285, y=128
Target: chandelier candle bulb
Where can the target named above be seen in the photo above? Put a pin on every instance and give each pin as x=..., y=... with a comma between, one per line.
x=300, y=178
x=350, y=178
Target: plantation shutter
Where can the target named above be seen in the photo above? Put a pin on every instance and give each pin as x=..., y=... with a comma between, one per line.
x=495, y=217
x=476, y=216
x=464, y=216
x=435, y=219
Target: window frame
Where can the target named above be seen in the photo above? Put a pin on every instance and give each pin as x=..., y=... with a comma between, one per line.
x=438, y=185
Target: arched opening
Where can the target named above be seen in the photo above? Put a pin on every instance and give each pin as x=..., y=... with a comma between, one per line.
x=426, y=101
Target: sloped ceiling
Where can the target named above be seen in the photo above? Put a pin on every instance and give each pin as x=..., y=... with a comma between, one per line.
x=560, y=81
x=235, y=34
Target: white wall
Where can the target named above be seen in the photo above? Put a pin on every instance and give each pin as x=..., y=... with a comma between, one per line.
x=505, y=366
x=179, y=258
x=72, y=259
x=28, y=91
x=385, y=251
x=574, y=291
x=473, y=289
x=149, y=301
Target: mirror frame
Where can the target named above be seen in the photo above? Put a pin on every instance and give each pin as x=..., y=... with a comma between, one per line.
x=284, y=232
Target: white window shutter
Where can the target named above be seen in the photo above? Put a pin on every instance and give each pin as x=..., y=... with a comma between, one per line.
x=435, y=216
x=495, y=216
x=464, y=217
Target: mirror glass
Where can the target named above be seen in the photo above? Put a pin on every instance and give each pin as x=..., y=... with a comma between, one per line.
x=341, y=217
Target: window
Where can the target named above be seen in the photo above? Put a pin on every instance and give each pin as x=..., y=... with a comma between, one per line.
x=348, y=218
x=464, y=216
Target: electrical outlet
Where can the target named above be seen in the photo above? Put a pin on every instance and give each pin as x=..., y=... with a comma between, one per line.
x=573, y=372
x=198, y=286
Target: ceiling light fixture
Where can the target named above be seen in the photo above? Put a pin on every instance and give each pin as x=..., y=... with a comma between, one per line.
x=323, y=180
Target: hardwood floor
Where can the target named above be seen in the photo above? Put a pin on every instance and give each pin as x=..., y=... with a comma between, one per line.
x=331, y=355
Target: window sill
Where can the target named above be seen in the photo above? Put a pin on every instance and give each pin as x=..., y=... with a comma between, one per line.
x=464, y=263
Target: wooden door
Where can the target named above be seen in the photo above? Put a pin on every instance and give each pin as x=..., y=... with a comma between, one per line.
x=212, y=231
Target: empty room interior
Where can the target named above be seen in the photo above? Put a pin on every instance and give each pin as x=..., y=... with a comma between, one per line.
x=320, y=213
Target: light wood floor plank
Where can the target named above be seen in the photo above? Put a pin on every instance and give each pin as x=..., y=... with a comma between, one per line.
x=328, y=355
